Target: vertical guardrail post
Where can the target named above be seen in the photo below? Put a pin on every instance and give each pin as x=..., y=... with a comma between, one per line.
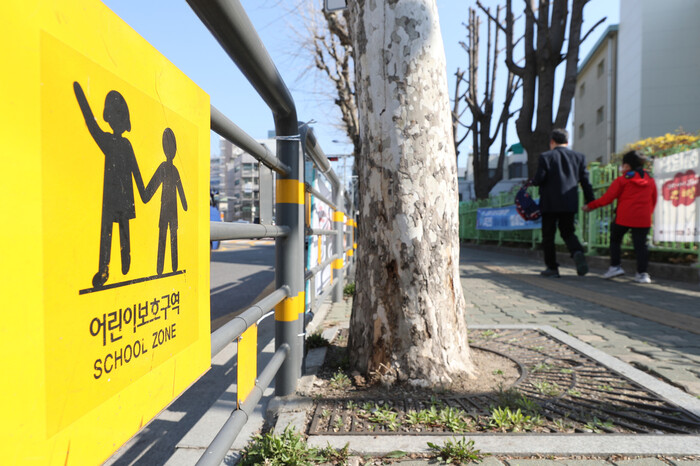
x=230, y=25
x=338, y=225
x=289, y=258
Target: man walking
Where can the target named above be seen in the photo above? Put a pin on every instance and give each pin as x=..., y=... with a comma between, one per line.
x=559, y=172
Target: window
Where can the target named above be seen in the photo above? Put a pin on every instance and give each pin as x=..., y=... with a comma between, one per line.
x=600, y=115
x=515, y=170
x=582, y=90
x=581, y=130
x=601, y=68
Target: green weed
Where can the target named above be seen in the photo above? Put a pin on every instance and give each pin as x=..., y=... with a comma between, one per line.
x=340, y=380
x=289, y=448
x=316, y=340
x=349, y=289
x=506, y=420
x=457, y=451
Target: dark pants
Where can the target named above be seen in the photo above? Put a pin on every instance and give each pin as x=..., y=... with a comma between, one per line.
x=565, y=220
x=639, y=239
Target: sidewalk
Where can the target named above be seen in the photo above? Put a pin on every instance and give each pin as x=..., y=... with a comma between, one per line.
x=653, y=327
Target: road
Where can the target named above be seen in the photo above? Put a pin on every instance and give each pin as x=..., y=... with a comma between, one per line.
x=242, y=272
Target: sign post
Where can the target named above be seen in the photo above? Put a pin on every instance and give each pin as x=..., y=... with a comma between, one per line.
x=106, y=312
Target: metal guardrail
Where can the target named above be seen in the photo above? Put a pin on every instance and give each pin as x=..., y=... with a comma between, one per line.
x=229, y=24
x=593, y=228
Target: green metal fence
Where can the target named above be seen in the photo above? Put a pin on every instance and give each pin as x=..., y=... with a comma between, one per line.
x=592, y=228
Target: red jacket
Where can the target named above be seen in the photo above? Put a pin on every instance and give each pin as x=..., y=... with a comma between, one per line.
x=636, y=199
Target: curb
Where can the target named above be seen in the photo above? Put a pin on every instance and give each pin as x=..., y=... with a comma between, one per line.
x=657, y=270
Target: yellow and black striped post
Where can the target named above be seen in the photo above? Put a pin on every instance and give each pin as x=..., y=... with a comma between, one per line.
x=337, y=265
x=289, y=265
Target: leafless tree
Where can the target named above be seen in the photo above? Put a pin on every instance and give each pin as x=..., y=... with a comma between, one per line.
x=481, y=106
x=543, y=41
x=327, y=40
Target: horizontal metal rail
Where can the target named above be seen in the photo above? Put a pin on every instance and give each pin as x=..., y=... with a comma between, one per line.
x=319, y=196
x=234, y=328
x=320, y=232
x=317, y=156
x=221, y=231
x=228, y=129
x=219, y=447
x=311, y=272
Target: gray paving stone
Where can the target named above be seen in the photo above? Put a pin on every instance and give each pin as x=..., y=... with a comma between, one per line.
x=533, y=462
x=585, y=463
x=491, y=461
x=650, y=461
x=684, y=462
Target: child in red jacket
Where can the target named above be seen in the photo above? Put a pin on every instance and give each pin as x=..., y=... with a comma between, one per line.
x=635, y=192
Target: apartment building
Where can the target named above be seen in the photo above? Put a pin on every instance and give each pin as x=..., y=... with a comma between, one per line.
x=241, y=182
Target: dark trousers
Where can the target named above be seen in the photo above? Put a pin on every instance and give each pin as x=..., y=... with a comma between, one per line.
x=639, y=239
x=565, y=220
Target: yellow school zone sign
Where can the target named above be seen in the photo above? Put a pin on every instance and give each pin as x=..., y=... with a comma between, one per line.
x=104, y=245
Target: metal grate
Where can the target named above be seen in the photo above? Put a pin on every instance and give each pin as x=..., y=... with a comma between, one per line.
x=565, y=391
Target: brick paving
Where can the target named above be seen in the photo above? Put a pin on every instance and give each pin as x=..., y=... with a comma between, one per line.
x=506, y=289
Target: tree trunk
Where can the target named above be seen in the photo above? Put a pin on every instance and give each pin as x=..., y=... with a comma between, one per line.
x=408, y=319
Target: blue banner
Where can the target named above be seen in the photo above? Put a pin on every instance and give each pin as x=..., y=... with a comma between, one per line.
x=504, y=218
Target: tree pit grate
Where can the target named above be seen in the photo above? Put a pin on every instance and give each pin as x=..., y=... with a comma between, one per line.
x=560, y=391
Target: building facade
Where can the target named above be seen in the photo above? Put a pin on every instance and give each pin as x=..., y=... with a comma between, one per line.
x=659, y=69
x=595, y=101
x=241, y=182
x=641, y=78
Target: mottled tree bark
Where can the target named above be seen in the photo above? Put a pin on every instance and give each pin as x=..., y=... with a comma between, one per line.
x=408, y=320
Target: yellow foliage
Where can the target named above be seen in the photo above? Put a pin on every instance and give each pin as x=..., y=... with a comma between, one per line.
x=661, y=145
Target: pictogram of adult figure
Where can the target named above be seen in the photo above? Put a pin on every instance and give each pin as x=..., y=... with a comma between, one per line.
x=167, y=175
x=120, y=166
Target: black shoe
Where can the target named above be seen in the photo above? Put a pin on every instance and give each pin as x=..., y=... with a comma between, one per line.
x=550, y=273
x=581, y=265
x=100, y=278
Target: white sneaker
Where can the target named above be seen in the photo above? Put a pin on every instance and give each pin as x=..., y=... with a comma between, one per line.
x=642, y=278
x=613, y=271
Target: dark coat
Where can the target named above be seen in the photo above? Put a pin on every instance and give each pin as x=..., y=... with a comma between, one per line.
x=559, y=171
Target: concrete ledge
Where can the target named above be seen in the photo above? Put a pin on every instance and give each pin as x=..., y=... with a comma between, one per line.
x=521, y=444
x=680, y=273
x=290, y=411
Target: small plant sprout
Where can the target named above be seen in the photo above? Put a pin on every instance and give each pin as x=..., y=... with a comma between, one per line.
x=457, y=451
x=340, y=380
x=316, y=340
x=597, y=426
x=333, y=456
x=505, y=420
x=349, y=289
x=541, y=367
x=547, y=389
